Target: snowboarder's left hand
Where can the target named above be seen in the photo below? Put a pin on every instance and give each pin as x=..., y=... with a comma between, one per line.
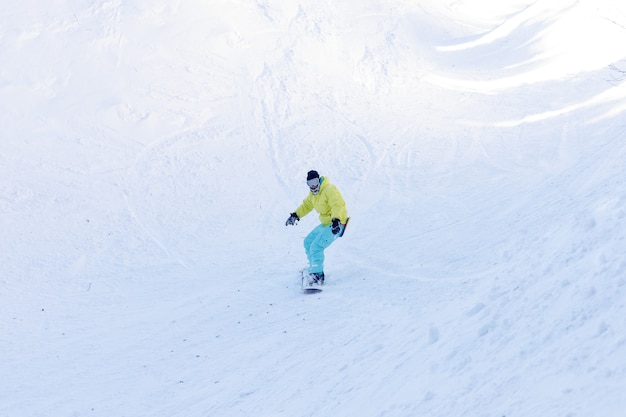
x=335, y=226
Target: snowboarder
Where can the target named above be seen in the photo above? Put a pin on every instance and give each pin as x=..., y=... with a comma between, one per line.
x=326, y=199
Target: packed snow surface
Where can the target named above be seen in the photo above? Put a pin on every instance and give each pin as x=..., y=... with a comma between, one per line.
x=151, y=151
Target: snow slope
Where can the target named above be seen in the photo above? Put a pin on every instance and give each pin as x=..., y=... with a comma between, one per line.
x=151, y=151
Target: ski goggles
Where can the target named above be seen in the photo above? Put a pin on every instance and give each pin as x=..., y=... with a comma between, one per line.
x=314, y=185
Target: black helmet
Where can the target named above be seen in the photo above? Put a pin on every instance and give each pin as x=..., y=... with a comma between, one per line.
x=313, y=181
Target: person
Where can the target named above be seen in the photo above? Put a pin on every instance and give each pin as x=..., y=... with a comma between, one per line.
x=326, y=199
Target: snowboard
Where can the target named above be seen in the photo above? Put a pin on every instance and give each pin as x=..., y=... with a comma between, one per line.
x=306, y=287
x=345, y=227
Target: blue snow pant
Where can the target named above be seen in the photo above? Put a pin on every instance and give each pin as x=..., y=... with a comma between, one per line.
x=314, y=244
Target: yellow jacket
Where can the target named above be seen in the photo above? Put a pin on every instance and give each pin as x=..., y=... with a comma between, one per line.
x=328, y=202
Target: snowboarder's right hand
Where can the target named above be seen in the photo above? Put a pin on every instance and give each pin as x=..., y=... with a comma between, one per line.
x=293, y=219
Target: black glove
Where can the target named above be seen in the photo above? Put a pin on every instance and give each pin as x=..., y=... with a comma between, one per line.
x=335, y=226
x=293, y=219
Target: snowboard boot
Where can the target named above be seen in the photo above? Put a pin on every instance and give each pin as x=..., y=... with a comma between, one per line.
x=317, y=278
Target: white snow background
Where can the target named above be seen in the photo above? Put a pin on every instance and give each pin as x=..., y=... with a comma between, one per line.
x=151, y=151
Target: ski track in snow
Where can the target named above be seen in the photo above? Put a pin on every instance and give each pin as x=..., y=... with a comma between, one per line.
x=151, y=152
